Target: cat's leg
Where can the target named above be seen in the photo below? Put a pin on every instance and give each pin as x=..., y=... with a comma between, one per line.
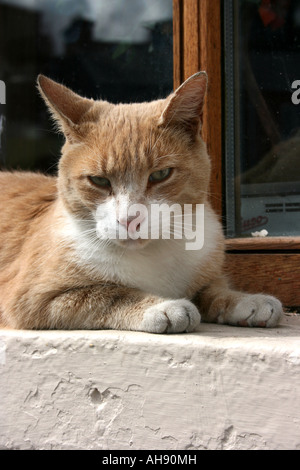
x=220, y=304
x=122, y=308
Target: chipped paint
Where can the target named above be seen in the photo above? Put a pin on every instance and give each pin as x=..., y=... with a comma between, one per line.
x=221, y=388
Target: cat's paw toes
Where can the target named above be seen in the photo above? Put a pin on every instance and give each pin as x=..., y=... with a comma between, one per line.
x=171, y=316
x=257, y=310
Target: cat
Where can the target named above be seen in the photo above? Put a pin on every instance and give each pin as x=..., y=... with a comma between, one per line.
x=60, y=266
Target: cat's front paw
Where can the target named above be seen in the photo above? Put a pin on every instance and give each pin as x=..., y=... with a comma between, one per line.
x=256, y=310
x=171, y=316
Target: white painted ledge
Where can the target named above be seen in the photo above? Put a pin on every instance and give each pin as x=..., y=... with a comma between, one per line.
x=221, y=388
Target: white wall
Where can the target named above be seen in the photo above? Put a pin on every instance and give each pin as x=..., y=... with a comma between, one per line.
x=221, y=388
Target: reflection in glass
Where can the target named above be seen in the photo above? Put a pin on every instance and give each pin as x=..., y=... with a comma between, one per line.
x=262, y=67
x=110, y=49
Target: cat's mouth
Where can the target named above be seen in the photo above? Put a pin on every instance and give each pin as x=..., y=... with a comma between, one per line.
x=132, y=244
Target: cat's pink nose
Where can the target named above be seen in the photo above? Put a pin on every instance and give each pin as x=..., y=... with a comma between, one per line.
x=125, y=221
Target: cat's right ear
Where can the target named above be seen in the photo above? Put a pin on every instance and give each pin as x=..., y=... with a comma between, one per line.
x=67, y=108
x=184, y=107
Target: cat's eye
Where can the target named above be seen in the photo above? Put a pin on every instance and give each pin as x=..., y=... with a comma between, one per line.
x=100, y=181
x=160, y=175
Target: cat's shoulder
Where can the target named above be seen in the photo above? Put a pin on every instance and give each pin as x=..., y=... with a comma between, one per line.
x=22, y=187
x=26, y=180
x=24, y=176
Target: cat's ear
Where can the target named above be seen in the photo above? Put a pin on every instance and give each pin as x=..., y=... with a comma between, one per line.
x=66, y=107
x=185, y=106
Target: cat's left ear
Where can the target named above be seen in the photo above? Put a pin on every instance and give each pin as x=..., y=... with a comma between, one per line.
x=67, y=108
x=185, y=106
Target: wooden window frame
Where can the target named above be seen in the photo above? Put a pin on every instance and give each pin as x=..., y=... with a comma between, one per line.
x=271, y=264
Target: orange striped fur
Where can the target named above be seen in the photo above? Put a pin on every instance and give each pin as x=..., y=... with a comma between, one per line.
x=55, y=271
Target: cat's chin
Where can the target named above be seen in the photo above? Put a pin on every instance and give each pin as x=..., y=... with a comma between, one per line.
x=130, y=244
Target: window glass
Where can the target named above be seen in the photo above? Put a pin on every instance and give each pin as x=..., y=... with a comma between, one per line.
x=110, y=49
x=262, y=85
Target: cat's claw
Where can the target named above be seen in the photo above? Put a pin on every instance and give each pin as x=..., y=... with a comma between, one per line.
x=171, y=316
x=255, y=310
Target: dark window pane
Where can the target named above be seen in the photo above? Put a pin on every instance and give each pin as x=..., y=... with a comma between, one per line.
x=263, y=116
x=111, y=49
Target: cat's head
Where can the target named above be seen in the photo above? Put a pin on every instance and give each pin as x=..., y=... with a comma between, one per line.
x=118, y=156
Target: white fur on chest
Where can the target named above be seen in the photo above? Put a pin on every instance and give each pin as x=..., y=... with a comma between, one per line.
x=163, y=267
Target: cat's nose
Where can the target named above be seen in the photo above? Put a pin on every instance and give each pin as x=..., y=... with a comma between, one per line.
x=125, y=221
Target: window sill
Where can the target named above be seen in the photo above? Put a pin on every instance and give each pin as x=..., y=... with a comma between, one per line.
x=263, y=243
x=270, y=265
x=221, y=388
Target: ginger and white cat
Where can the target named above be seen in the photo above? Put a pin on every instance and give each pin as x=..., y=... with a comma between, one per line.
x=59, y=266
